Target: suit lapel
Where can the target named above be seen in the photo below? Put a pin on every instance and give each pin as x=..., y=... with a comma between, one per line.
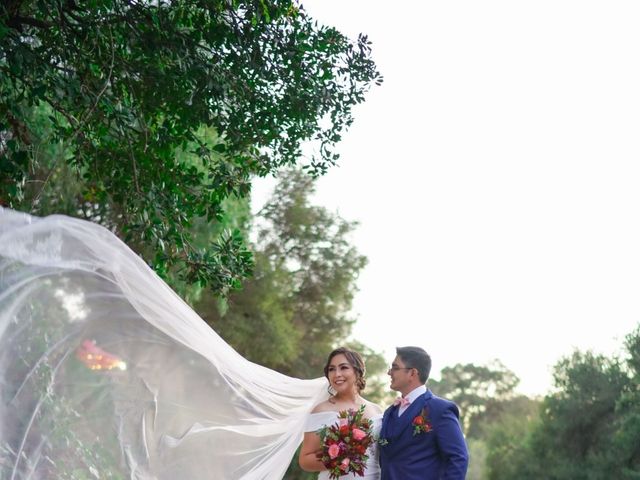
x=406, y=419
x=390, y=416
x=394, y=426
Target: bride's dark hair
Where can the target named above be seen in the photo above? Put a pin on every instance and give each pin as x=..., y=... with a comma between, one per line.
x=355, y=360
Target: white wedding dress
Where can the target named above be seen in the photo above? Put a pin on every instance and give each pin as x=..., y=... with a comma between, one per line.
x=106, y=373
x=372, y=470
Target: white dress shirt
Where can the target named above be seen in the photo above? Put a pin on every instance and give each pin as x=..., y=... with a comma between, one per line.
x=411, y=396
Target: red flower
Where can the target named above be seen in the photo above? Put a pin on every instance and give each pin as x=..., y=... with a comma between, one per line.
x=344, y=444
x=421, y=423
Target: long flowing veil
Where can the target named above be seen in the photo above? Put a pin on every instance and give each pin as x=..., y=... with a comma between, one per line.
x=106, y=373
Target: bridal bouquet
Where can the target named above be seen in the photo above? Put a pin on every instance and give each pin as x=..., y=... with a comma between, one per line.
x=345, y=443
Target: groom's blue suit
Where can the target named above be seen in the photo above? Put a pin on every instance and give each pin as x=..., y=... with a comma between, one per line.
x=435, y=455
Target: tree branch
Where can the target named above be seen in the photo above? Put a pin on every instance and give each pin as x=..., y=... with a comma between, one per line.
x=81, y=122
x=18, y=21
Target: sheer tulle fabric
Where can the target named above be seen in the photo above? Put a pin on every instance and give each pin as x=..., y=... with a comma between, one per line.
x=106, y=373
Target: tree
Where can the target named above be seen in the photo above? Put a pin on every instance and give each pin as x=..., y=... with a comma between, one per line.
x=506, y=435
x=576, y=431
x=296, y=307
x=475, y=389
x=624, y=452
x=107, y=96
x=581, y=415
x=486, y=396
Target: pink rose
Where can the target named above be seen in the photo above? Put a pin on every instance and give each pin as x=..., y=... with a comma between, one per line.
x=334, y=451
x=358, y=434
x=344, y=465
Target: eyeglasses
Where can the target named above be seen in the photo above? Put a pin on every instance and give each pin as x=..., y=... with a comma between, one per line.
x=395, y=368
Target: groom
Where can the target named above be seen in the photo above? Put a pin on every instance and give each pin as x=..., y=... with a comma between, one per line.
x=421, y=437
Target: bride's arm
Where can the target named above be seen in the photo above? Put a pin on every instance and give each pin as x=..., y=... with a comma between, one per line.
x=308, y=458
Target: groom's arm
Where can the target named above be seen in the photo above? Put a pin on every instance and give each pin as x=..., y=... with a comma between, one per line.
x=453, y=447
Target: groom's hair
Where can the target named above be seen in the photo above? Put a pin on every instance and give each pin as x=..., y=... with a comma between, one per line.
x=416, y=357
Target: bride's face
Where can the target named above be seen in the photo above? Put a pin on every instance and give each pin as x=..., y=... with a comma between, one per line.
x=341, y=374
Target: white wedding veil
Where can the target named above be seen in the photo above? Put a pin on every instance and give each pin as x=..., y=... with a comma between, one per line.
x=106, y=373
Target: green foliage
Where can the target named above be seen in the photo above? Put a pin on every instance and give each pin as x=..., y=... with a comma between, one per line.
x=589, y=428
x=257, y=321
x=477, y=456
x=486, y=397
x=475, y=389
x=294, y=472
x=578, y=421
x=295, y=308
x=625, y=449
x=506, y=435
x=146, y=116
x=314, y=246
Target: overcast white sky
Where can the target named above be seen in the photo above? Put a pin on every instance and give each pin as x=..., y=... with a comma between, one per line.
x=496, y=178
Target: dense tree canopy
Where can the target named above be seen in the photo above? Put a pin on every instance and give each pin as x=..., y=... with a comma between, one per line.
x=145, y=116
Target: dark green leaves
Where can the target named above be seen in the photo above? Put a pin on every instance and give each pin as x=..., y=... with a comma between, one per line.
x=146, y=116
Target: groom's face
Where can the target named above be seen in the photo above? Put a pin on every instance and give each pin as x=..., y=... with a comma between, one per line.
x=400, y=376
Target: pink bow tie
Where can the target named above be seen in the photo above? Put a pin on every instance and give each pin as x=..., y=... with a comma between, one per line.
x=403, y=402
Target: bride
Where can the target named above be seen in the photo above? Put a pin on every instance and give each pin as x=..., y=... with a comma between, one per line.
x=345, y=371
x=106, y=373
